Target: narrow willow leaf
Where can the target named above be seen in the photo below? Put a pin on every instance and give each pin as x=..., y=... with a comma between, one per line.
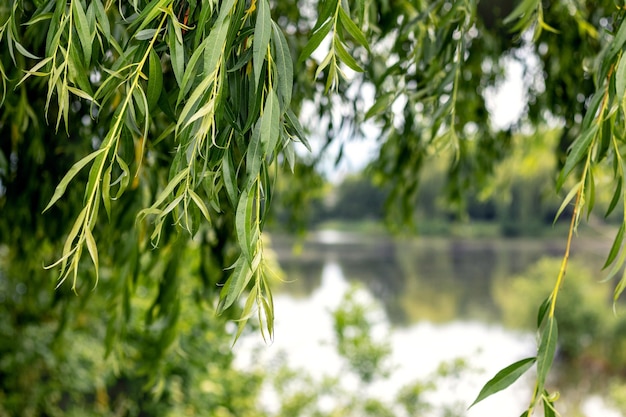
x=345, y=57
x=546, y=351
x=75, y=169
x=84, y=32
x=124, y=178
x=617, y=245
x=326, y=9
x=192, y=68
x=381, y=105
x=236, y=284
x=617, y=265
x=315, y=41
x=177, y=54
x=353, y=29
x=262, y=29
x=169, y=189
x=284, y=67
x=106, y=191
x=568, y=198
x=215, y=45
x=255, y=153
x=616, y=197
x=620, y=78
x=270, y=127
x=245, y=314
x=618, y=41
x=20, y=48
x=525, y=8
x=155, y=80
x=203, y=208
x=294, y=123
x=80, y=93
x=244, y=225
x=102, y=19
x=580, y=148
x=145, y=34
x=268, y=309
x=229, y=178
x=619, y=289
x=290, y=155
x=93, y=251
x=504, y=378
x=225, y=9
x=543, y=309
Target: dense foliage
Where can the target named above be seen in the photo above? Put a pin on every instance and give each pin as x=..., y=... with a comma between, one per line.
x=163, y=124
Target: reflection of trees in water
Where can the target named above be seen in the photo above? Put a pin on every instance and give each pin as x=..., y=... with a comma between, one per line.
x=435, y=279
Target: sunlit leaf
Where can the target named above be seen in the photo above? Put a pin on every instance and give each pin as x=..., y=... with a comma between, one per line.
x=546, y=351
x=504, y=378
x=315, y=41
x=262, y=30
x=83, y=30
x=353, y=29
x=579, y=150
x=345, y=57
x=75, y=169
x=284, y=66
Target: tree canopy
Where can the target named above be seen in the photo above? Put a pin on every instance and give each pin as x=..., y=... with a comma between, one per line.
x=135, y=131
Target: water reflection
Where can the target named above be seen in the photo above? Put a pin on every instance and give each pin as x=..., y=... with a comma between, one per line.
x=437, y=298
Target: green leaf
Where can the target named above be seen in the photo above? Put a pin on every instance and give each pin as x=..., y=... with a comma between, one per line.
x=315, y=41
x=381, y=105
x=262, y=29
x=177, y=54
x=237, y=283
x=620, y=78
x=255, y=153
x=616, y=196
x=229, y=178
x=617, y=245
x=155, y=80
x=106, y=191
x=84, y=32
x=75, y=169
x=270, y=128
x=145, y=34
x=568, y=198
x=619, y=289
x=215, y=44
x=284, y=67
x=102, y=18
x=244, y=224
x=246, y=313
x=579, y=150
x=546, y=351
x=93, y=250
x=169, y=189
x=525, y=8
x=543, y=309
x=353, y=29
x=203, y=208
x=345, y=57
x=618, y=41
x=292, y=121
x=504, y=378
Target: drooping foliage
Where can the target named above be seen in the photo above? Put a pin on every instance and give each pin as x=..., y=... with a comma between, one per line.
x=141, y=127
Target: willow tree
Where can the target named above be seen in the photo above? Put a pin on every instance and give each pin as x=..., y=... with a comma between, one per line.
x=132, y=131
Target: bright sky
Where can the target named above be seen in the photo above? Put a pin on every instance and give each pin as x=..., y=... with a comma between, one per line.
x=505, y=104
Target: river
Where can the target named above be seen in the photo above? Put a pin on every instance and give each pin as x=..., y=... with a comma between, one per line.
x=436, y=306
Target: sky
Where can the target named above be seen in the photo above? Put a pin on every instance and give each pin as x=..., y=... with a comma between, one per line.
x=505, y=103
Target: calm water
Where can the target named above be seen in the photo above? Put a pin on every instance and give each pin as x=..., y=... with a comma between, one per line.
x=436, y=306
